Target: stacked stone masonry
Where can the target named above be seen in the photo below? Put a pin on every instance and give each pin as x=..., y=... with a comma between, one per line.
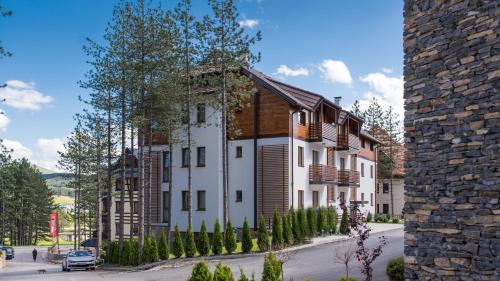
x=452, y=133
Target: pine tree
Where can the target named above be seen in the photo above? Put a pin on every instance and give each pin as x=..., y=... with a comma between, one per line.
x=153, y=254
x=332, y=221
x=223, y=273
x=163, y=248
x=243, y=277
x=146, y=250
x=135, y=254
x=272, y=269
x=287, y=231
x=321, y=225
x=203, y=241
x=177, y=247
x=311, y=219
x=277, y=238
x=217, y=239
x=344, y=223
x=201, y=272
x=246, y=238
x=297, y=235
x=262, y=236
x=303, y=225
x=126, y=253
x=190, y=245
x=229, y=238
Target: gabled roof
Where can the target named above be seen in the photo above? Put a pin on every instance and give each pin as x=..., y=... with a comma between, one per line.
x=369, y=136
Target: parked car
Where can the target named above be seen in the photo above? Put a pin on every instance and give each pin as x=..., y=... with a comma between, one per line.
x=78, y=260
x=9, y=252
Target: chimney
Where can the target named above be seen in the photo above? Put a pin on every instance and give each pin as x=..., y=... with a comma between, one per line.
x=337, y=100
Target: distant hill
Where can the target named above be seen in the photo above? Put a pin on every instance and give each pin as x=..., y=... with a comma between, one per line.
x=45, y=170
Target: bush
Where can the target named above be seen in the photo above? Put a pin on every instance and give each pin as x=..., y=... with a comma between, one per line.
x=229, y=238
x=217, y=239
x=223, y=273
x=369, y=217
x=344, y=223
x=113, y=253
x=332, y=221
x=163, y=251
x=321, y=224
x=262, y=236
x=146, y=248
x=246, y=238
x=297, y=236
x=396, y=269
x=311, y=219
x=243, y=277
x=177, y=247
x=382, y=218
x=125, y=256
x=287, y=231
x=277, y=238
x=134, y=253
x=347, y=279
x=203, y=241
x=395, y=220
x=201, y=272
x=153, y=253
x=190, y=246
x=272, y=269
x=302, y=222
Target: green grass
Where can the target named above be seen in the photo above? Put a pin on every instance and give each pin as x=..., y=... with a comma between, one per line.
x=48, y=242
x=63, y=200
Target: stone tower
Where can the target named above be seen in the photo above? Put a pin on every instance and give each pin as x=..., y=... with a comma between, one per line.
x=452, y=134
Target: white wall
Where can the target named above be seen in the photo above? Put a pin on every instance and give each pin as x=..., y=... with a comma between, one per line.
x=367, y=185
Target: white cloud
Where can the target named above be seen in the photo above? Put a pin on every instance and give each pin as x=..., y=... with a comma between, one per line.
x=18, y=149
x=47, y=154
x=22, y=95
x=386, y=89
x=250, y=23
x=287, y=71
x=4, y=121
x=335, y=71
x=386, y=70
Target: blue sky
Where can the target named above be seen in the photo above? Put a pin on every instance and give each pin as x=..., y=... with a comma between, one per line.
x=335, y=48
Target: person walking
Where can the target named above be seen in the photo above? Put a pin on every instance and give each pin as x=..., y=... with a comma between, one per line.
x=35, y=253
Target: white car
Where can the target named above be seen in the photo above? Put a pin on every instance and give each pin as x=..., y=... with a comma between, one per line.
x=78, y=260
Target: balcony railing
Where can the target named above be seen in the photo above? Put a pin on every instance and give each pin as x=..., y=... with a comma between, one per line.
x=320, y=131
x=348, y=178
x=348, y=141
x=319, y=173
x=353, y=141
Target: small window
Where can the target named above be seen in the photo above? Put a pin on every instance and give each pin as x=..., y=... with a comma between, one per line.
x=135, y=229
x=371, y=171
x=385, y=188
x=315, y=199
x=362, y=199
x=371, y=146
x=166, y=166
x=185, y=200
x=239, y=196
x=200, y=113
x=185, y=157
x=385, y=209
x=371, y=199
x=342, y=197
x=201, y=157
x=301, y=199
x=302, y=118
x=239, y=152
x=362, y=169
x=135, y=207
x=185, y=114
x=300, y=157
x=363, y=144
x=201, y=200
x=166, y=207
x=378, y=208
x=118, y=206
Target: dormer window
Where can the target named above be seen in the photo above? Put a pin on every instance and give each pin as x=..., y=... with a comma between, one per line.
x=302, y=118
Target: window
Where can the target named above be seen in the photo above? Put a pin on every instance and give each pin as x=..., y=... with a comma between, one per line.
x=166, y=206
x=330, y=194
x=385, y=188
x=342, y=163
x=201, y=200
x=315, y=157
x=201, y=157
x=135, y=229
x=302, y=118
x=166, y=166
x=118, y=206
x=371, y=171
x=362, y=169
x=363, y=144
x=239, y=152
x=378, y=208
x=371, y=199
x=185, y=157
x=385, y=208
x=185, y=114
x=135, y=207
x=239, y=196
x=300, y=157
x=371, y=146
x=185, y=200
x=239, y=107
x=301, y=199
x=362, y=199
x=315, y=199
x=342, y=197
x=200, y=113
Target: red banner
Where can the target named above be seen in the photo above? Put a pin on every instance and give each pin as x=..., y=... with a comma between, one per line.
x=53, y=224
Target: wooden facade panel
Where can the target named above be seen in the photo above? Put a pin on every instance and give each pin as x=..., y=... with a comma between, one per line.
x=366, y=152
x=273, y=117
x=272, y=180
x=155, y=186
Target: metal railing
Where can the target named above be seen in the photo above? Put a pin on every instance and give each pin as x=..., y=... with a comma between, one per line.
x=319, y=173
x=348, y=178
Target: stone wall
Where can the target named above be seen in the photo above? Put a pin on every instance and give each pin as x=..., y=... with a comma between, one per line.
x=452, y=133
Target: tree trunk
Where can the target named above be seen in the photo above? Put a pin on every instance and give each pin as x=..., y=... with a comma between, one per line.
x=140, y=141
x=132, y=185
x=98, y=198
x=122, y=172
x=109, y=184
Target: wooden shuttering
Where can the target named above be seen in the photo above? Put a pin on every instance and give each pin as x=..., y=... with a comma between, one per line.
x=156, y=158
x=272, y=180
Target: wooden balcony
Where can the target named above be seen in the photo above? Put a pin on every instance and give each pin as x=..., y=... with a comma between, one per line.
x=322, y=130
x=348, y=178
x=322, y=174
x=348, y=141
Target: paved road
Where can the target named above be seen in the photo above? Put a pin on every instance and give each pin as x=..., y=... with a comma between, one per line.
x=316, y=263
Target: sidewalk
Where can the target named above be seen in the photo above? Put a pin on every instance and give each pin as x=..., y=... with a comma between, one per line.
x=377, y=229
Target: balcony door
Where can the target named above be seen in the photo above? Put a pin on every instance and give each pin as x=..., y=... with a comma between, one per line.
x=342, y=163
x=315, y=157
